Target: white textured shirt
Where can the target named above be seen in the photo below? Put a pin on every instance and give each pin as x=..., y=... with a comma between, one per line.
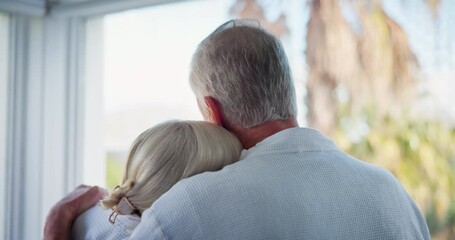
x=94, y=224
x=295, y=184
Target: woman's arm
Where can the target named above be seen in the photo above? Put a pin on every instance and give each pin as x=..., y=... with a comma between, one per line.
x=61, y=217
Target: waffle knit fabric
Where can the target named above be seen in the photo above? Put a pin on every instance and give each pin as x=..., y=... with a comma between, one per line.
x=295, y=184
x=94, y=224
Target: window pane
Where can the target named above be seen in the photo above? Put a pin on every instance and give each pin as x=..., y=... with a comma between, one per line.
x=147, y=56
x=137, y=68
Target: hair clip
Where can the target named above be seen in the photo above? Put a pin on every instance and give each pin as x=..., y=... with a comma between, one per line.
x=124, y=207
x=113, y=214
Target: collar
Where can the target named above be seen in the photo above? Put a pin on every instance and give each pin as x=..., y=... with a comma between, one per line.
x=292, y=140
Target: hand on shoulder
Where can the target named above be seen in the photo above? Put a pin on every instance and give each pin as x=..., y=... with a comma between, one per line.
x=60, y=218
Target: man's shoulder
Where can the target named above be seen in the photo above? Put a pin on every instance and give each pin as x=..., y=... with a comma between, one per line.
x=367, y=169
x=208, y=183
x=177, y=213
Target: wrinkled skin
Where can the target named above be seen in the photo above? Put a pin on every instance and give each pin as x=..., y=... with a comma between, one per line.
x=61, y=217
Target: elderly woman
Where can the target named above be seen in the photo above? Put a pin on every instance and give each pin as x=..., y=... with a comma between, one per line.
x=158, y=159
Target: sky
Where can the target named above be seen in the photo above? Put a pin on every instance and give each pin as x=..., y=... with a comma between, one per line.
x=152, y=49
x=148, y=53
x=433, y=40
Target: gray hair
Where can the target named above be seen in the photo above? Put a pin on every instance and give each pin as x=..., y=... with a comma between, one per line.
x=246, y=70
x=169, y=152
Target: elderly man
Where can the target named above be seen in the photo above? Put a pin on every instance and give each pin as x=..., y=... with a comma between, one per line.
x=291, y=182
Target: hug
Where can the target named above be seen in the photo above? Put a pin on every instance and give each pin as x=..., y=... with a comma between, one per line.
x=248, y=172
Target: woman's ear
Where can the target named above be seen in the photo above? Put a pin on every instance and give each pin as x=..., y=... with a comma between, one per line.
x=214, y=111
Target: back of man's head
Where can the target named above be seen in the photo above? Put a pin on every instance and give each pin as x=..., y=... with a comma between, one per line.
x=246, y=70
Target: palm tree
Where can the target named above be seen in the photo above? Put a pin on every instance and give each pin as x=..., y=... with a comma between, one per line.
x=253, y=9
x=375, y=66
x=332, y=58
x=386, y=59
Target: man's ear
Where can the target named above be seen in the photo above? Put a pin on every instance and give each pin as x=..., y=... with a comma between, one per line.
x=214, y=110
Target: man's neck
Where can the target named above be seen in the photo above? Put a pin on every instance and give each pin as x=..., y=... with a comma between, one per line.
x=249, y=137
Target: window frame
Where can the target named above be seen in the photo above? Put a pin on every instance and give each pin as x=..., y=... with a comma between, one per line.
x=4, y=42
x=48, y=90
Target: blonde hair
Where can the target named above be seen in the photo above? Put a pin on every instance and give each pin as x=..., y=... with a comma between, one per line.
x=169, y=152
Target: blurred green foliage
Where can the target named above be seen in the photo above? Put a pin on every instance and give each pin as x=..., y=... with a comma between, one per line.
x=419, y=152
x=114, y=170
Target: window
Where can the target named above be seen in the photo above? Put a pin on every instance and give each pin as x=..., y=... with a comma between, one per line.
x=4, y=38
x=143, y=58
x=147, y=55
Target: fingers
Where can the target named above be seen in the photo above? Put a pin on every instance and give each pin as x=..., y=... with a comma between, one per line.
x=58, y=222
x=102, y=192
x=90, y=198
x=82, y=186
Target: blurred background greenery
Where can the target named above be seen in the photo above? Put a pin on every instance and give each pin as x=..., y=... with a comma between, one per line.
x=114, y=172
x=367, y=88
